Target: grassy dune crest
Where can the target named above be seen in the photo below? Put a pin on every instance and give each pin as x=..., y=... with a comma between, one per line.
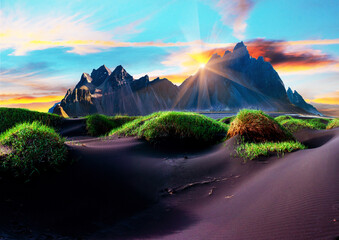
x=253, y=150
x=261, y=135
x=9, y=117
x=256, y=126
x=175, y=126
x=333, y=124
x=294, y=125
x=318, y=123
x=34, y=148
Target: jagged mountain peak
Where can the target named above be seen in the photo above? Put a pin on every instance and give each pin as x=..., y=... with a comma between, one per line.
x=213, y=58
x=87, y=76
x=239, y=45
x=296, y=99
x=240, y=52
x=85, y=80
x=120, y=74
x=119, y=69
x=99, y=75
x=227, y=52
x=231, y=82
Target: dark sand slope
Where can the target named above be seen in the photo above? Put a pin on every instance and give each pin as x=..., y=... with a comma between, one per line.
x=125, y=189
x=73, y=127
x=296, y=197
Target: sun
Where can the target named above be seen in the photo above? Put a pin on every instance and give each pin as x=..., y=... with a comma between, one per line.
x=202, y=65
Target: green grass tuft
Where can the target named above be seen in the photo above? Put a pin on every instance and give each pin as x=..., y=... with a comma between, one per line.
x=9, y=117
x=253, y=150
x=318, y=123
x=180, y=127
x=98, y=125
x=35, y=148
x=294, y=125
x=282, y=118
x=333, y=124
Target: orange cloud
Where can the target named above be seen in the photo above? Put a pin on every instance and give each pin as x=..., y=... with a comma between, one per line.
x=30, y=100
x=41, y=107
x=281, y=54
x=326, y=100
x=330, y=98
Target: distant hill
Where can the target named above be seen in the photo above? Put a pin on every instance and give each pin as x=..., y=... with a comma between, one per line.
x=229, y=82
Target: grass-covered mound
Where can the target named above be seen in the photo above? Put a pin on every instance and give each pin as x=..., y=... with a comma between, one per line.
x=34, y=148
x=261, y=135
x=253, y=150
x=175, y=127
x=294, y=125
x=333, y=124
x=282, y=118
x=318, y=123
x=256, y=126
x=98, y=125
x=9, y=117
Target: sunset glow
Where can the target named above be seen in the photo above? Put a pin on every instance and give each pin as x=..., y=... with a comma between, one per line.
x=45, y=49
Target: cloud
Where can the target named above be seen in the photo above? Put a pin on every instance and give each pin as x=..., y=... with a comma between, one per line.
x=327, y=104
x=78, y=34
x=24, y=99
x=41, y=106
x=327, y=109
x=234, y=13
x=15, y=82
x=37, y=103
x=30, y=33
x=329, y=98
x=287, y=57
x=18, y=30
x=122, y=32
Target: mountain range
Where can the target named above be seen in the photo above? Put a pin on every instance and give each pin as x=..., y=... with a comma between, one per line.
x=226, y=83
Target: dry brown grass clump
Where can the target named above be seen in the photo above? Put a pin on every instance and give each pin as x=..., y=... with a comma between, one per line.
x=256, y=126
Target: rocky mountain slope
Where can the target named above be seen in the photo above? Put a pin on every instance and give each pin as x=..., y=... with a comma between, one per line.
x=234, y=81
x=118, y=92
x=296, y=99
x=229, y=82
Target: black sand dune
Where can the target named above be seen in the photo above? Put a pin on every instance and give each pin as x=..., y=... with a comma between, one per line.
x=126, y=189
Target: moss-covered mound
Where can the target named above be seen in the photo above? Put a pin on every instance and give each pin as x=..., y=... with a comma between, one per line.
x=98, y=125
x=282, y=118
x=294, y=125
x=175, y=127
x=33, y=148
x=227, y=120
x=333, y=124
x=256, y=126
x=9, y=117
x=318, y=123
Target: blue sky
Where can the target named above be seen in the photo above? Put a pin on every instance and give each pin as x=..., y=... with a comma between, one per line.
x=45, y=46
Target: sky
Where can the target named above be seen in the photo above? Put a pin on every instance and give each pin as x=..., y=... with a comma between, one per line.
x=45, y=46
